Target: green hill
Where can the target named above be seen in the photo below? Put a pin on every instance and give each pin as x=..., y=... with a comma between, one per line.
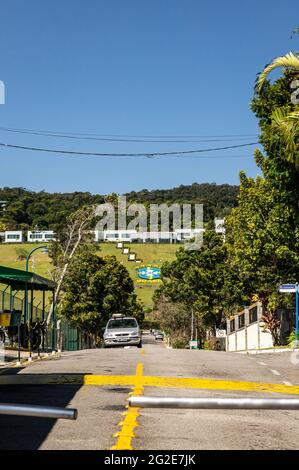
x=149, y=253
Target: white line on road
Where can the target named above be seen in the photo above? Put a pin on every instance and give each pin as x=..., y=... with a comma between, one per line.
x=275, y=372
x=287, y=383
x=262, y=363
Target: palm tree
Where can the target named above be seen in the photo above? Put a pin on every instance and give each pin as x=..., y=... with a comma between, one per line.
x=289, y=61
x=283, y=121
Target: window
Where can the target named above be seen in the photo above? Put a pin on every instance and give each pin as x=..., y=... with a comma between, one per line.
x=13, y=237
x=36, y=235
x=49, y=235
x=253, y=315
x=232, y=326
x=241, y=320
x=125, y=235
x=123, y=323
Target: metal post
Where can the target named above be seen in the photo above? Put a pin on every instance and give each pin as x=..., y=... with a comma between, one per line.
x=30, y=326
x=3, y=294
x=19, y=339
x=38, y=411
x=43, y=319
x=192, y=321
x=216, y=403
x=25, y=312
x=297, y=308
x=53, y=324
x=10, y=298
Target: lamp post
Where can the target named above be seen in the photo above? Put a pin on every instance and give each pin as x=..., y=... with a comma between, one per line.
x=297, y=315
x=40, y=247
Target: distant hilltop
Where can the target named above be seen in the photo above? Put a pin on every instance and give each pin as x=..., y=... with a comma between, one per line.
x=22, y=209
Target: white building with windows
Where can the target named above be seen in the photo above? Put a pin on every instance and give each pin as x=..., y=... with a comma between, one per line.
x=40, y=236
x=129, y=236
x=13, y=236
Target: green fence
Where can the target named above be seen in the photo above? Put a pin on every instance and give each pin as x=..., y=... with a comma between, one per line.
x=67, y=337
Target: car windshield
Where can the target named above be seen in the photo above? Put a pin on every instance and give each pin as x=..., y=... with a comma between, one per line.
x=122, y=323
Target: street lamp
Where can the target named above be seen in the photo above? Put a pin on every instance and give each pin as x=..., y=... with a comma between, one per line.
x=45, y=250
x=41, y=247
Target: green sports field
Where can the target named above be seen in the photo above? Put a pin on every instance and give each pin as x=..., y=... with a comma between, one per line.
x=154, y=254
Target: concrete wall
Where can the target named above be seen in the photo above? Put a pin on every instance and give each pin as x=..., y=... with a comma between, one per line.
x=251, y=336
x=231, y=342
x=241, y=340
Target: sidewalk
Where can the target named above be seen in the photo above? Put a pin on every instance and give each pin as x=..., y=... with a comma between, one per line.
x=9, y=357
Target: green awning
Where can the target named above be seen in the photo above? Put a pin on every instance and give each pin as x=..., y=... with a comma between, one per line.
x=19, y=280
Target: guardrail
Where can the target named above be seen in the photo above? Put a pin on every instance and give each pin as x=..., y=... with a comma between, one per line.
x=216, y=403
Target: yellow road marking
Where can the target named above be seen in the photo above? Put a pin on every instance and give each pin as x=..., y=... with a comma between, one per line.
x=147, y=381
x=142, y=352
x=126, y=434
x=180, y=382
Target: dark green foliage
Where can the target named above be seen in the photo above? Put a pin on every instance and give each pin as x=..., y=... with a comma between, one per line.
x=27, y=209
x=94, y=289
x=216, y=199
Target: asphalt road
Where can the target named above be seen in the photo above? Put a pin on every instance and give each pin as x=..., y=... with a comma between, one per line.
x=98, y=383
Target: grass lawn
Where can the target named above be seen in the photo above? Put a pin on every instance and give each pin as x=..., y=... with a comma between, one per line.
x=39, y=263
x=148, y=253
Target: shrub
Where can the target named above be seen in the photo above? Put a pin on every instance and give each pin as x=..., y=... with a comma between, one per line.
x=22, y=253
x=291, y=341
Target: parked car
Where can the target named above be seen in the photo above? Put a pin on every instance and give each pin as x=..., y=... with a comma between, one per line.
x=159, y=335
x=122, y=331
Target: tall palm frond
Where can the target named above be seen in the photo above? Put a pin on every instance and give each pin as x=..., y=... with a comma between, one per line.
x=287, y=124
x=289, y=60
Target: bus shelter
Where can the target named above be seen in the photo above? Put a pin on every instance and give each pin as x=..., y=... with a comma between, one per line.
x=28, y=282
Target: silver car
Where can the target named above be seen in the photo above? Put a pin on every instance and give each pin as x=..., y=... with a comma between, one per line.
x=122, y=331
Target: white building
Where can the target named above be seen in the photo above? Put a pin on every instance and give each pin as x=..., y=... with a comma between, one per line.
x=219, y=225
x=129, y=236
x=40, y=236
x=13, y=236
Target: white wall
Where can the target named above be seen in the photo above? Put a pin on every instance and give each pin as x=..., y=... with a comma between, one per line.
x=241, y=340
x=256, y=338
x=231, y=342
x=252, y=336
x=266, y=339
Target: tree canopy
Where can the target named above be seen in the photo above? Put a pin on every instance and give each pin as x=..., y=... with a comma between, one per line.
x=94, y=288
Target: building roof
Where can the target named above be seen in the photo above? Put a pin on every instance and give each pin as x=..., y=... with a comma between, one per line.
x=19, y=280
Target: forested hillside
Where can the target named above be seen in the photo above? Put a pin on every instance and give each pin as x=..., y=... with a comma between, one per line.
x=26, y=209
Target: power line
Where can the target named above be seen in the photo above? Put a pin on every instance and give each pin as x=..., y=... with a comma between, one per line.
x=129, y=138
x=149, y=155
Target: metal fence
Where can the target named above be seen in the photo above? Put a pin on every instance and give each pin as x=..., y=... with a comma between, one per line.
x=61, y=334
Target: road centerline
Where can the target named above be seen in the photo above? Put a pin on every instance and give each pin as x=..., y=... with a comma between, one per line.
x=128, y=425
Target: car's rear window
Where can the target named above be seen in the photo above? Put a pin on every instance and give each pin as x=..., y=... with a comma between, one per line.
x=122, y=323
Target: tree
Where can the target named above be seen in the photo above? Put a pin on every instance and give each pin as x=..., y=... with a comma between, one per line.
x=94, y=288
x=284, y=119
x=202, y=280
x=64, y=248
x=174, y=319
x=3, y=227
x=262, y=246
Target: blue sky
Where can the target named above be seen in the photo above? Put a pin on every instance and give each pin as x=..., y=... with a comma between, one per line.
x=134, y=67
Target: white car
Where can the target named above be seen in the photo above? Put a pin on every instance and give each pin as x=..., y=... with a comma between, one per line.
x=122, y=331
x=159, y=335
